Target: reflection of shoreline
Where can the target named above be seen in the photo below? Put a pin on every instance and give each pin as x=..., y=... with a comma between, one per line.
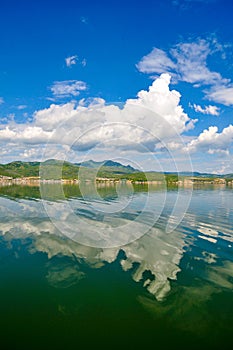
x=4, y=180
x=186, y=182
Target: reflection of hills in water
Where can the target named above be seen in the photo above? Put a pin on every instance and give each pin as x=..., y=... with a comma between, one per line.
x=58, y=191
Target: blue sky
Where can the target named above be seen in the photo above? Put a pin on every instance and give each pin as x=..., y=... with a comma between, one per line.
x=73, y=55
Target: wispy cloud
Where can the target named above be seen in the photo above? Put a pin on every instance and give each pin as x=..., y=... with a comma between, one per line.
x=157, y=61
x=68, y=88
x=20, y=107
x=191, y=63
x=84, y=20
x=211, y=110
x=1, y=100
x=222, y=94
x=84, y=62
x=185, y=62
x=71, y=60
x=188, y=62
x=74, y=60
x=186, y=4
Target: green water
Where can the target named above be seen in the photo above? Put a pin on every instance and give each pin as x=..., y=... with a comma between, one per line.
x=162, y=290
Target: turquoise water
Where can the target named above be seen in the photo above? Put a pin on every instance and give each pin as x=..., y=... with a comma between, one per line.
x=163, y=289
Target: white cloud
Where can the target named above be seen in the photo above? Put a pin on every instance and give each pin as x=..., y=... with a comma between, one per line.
x=222, y=94
x=156, y=61
x=212, y=110
x=68, y=88
x=84, y=62
x=188, y=62
x=191, y=63
x=20, y=107
x=7, y=134
x=151, y=122
x=84, y=20
x=186, y=4
x=71, y=60
x=212, y=141
x=29, y=153
x=49, y=118
x=154, y=116
x=1, y=100
x=8, y=118
x=24, y=134
x=163, y=101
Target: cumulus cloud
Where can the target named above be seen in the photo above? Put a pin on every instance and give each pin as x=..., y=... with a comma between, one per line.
x=212, y=110
x=24, y=134
x=212, y=141
x=68, y=88
x=7, y=134
x=188, y=62
x=49, y=118
x=71, y=60
x=151, y=122
x=154, y=116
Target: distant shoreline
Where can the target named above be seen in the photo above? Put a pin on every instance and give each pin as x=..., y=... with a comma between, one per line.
x=108, y=172
x=184, y=181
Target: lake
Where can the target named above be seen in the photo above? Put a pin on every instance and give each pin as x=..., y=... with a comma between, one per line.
x=116, y=265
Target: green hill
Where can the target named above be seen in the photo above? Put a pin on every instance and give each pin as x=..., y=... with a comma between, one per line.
x=56, y=169
x=89, y=170
x=20, y=169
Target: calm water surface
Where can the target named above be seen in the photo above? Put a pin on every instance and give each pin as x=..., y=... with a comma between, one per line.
x=164, y=289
